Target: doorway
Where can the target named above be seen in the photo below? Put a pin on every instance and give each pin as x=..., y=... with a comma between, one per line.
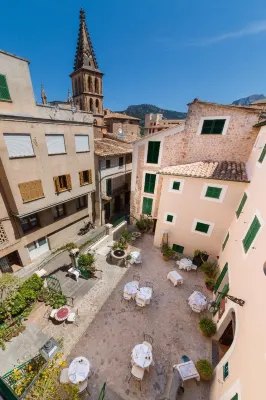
x=117, y=207
x=9, y=260
x=38, y=247
x=107, y=211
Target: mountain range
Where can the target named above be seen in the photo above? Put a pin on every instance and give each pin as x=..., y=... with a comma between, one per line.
x=246, y=101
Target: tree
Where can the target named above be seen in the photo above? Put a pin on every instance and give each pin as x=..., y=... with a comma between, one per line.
x=8, y=283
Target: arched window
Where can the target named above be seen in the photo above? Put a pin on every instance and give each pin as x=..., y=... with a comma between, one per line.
x=96, y=85
x=80, y=104
x=79, y=85
x=95, y=122
x=90, y=84
x=97, y=106
x=91, y=105
x=76, y=86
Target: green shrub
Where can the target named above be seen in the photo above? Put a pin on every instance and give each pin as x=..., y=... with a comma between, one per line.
x=118, y=246
x=85, y=260
x=167, y=251
x=56, y=300
x=29, y=295
x=210, y=269
x=34, y=282
x=144, y=224
x=210, y=283
x=207, y=326
x=205, y=369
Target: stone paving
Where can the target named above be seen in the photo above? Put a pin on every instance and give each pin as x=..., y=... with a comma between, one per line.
x=118, y=326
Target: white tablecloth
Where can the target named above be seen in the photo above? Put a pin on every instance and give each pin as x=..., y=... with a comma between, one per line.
x=79, y=370
x=197, y=299
x=187, y=371
x=142, y=355
x=135, y=257
x=185, y=263
x=131, y=287
x=144, y=293
x=174, y=277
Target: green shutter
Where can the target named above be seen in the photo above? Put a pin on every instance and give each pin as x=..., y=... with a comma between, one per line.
x=221, y=277
x=213, y=126
x=263, y=154
x=225, y=241
x=176, y=185
x=213, y=192
x=241, y=205
x=235, y=397
x=200, y=227
x=226, y=370
x=147, y=205
x=153, y=152
x=251, y=233
x=178, y=248
x=169, y=218
x=108, y=187
x=224, y=291
x=4, y=92
x=149, y=183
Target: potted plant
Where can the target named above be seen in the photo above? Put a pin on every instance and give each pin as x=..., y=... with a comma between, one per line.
x=205, y=369
x=210, y=269
x=167, y=252
x=144, y=224
x=210, y=284
x=207, y=326
x=199, y=257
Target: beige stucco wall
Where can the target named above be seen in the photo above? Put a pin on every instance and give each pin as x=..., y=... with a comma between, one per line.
x=189, y=205
x=247, y=354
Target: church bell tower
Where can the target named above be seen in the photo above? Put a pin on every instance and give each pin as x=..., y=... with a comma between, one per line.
x=86, y=77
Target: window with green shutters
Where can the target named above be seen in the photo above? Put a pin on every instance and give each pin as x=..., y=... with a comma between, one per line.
x=213, y=192
x=220, y=296
x=225, y=241
x=108, y=187
x=251, y=234
x=169, y=218
x=221, y=277
x=147, y=205
x=178, y=248
x=201, y=227
x=213, y=126
x=235, y=397
x=153, y=152
x=241, y=205
x=225, y=370
x=176, y=185
x=4, y=91
x=149, y=185
x=263, y=154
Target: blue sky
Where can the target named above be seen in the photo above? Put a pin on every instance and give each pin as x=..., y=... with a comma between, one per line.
x=151, y=51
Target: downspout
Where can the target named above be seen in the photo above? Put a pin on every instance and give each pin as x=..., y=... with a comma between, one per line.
x=100, y=189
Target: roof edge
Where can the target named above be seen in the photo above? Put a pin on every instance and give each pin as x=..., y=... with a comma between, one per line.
x=201, y=177
x=234, y=106
x=14, y=56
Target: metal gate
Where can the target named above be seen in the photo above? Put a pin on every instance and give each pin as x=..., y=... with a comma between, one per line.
x=53, y=284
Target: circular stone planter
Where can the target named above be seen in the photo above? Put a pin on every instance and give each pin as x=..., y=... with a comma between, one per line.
x=118, y=257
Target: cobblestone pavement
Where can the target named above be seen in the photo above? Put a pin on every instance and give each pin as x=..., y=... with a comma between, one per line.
x=118, y=326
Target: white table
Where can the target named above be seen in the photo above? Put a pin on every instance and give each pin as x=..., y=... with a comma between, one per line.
x=79, y=370
x=131, y=288
x=174, y=277
x=144, y=293
x=198, y=301
x=142, y=355
x=185, y=263
x=135, y=257
x=187, y=371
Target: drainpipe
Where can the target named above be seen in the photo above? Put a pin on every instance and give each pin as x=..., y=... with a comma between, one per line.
x=100, y=190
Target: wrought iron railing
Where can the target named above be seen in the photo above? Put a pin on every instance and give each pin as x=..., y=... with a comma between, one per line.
x=119, y=221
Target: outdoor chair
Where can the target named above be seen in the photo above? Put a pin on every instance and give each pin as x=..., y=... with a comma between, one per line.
x=73, y=317
x=185, y=358
x=64, y=376
x=83, y=386
x=53, y=312
x=126, y=296
x=148, y=340
x=140, y=302
x=137, y=373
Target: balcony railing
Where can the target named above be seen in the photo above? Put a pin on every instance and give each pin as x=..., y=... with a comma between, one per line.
x=115, y=192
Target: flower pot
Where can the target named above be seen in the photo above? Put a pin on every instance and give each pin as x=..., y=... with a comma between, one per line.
x=205, y=377
x=166, y=258
x=210, y=288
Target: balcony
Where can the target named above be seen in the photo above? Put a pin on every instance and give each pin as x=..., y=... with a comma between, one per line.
x=116, y=191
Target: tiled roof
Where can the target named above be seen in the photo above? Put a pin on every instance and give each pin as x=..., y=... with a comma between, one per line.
x=235, y=106
x=222, y=170
x=126, y=139
x=120, y=116
x=110, y=147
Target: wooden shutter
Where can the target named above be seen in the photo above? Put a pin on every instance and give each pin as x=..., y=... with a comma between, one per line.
x=31, y=190
x=108, y=187
x=225, y=241
x=224, y=291
x=241, y=205
x=263, y=154
x=68, y=180
x=56, y=184
x=147, y=205
x=235, y=397
x=251, y=234
x=213, y=192
x=81, y=179
x=200, y=227
x=176, y=185
x=169, y=218
x=178, y=248
x=90, y=176
x=221, y=277
x=4, y=91
x=153, y=152
x=226, y=370
x=149, y=183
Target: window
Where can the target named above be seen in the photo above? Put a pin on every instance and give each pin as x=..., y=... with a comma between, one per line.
x=19, y=145
x=28, y=223
x=225, y=370
x=81, y=202
x=178, y=248
x=31, y=190
x=108, y=164
x=121, y=161
x=59, y=211
x=147, y=205
x=108, y=187
x=176, y=185
x=82, y=143
x=200, y=227
x=85, y=177
x=241, y=205
x=4, y=91
x=169, y=218
x=221, y=277
x=62, y=183
x=225, y=241
x=251, y=233
x=153, y=152
x=129, y=158
x=55, y=144
x=262, y=155
x=213, y=126
x=235, y=397
x=220, y=296
x=149, y=184
x=213, y=192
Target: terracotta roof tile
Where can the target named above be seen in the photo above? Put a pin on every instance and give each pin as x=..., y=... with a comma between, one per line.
x=120, y=116
x=110, y=147
x=221, y=170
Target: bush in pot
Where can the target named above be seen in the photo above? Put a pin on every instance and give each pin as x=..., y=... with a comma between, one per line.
x=210, y=284
x=200, y=256
x=205, y=369
x=210, y=269
x=207, y=326
x=167, y=252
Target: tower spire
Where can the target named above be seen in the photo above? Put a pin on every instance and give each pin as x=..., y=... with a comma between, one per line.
x=85, y=56
x=43, y=95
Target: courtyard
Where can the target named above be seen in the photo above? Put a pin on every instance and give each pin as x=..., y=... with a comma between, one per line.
x=118, y=326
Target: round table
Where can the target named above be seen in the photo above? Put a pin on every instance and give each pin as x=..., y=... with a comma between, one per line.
x=144, y=293
x=78, y=370
x=142, y=355
x=62, y=313
x=135, y=256
x=198, y=299
x=185, y=263
x=131, y=287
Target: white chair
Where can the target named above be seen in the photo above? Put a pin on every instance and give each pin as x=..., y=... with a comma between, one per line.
x=53, y=312
x=73, y=318
x=137, y=373
x=64, y=376
x=126, y=296
x=140, y=302
x=194, y=267
x=148, y=345
x=83, y=386
x=75, y=272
